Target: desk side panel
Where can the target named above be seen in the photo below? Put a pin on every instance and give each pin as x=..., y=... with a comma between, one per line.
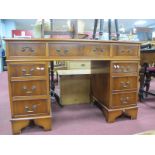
x=100, y=81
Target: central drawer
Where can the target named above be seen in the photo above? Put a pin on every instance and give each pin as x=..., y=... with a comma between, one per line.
x=78, y=64
x=65, y=49
x=29, y=88
x=123, y=99
x=30, y=107
x=22, y=49
x=97, y=49
x=22, y=70
x=124, y=83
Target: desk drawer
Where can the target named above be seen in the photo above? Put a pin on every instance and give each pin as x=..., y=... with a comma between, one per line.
x=127, y=67
x=22, y=49
x=65, y=49
x=29, y=88
x=125, y=50
x=97, y=49
x=25, y=70
x=124, y=83
x=123, y=99
x=30, y=107
x=78, y=64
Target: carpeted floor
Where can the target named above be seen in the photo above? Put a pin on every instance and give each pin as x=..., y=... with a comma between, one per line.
x=83, y=119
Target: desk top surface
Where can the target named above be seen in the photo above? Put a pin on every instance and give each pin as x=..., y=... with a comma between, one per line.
x=71, y=40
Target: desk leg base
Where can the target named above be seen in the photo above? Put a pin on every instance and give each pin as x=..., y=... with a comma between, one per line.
x=111, y=115
x=18, y=125
x=46, y=123
x=132, y=113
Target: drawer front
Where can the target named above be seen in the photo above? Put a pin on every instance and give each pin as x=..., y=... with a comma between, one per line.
x=30, y=107
x=29, y=88
x=65, y=49
x=24, y=70
x=26, y=49
x=124, y=99
x=97, y=50
x=124, y=83
x=125, y=67
x=125, y=50
x=78, y=65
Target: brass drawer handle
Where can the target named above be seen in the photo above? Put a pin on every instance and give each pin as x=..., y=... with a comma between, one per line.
x=27, y=74
x=116, y=66
x=129, y=51
x=122, y=51
x=83, y=65
x=24, y=72
x=58, y=50
x=124, y=100
x=95, y=49
x=66, y=50
x=27, y=48
x=127, y=69
x=125, y=84
x=29, y=91
x=30, y=110
x=40, y=68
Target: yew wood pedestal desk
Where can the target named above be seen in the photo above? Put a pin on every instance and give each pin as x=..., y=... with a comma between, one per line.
x=114, y=77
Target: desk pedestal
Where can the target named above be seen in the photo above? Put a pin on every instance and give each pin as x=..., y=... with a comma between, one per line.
x=115, y=89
